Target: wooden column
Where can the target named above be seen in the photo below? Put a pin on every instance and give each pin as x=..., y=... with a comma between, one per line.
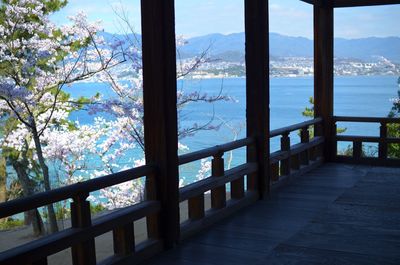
x=323, y=72
x=160, y=115
x=257, y=88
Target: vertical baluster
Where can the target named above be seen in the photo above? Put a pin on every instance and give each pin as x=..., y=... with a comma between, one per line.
x=285, y=146
x=357, y=150
x=274, y=171
x=218, y=195
x=124, y=240
x=305, y=138
x=237, y=188
x=83, y=253
x=196, y=207
x=383, y=143
x=295, y=162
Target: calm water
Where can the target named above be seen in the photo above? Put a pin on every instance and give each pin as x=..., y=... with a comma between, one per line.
x=354, y=96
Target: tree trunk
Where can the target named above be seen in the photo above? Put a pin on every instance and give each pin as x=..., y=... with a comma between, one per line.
x=46, y=179
x=31, y=217
x=3, y=182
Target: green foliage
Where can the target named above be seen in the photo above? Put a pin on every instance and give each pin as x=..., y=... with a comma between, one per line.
x=62, y=212
x=10, y=223
x=97, y=208
x=309, y=112
x=393, y=132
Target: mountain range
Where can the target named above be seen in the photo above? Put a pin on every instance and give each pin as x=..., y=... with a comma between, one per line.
x=231, y=47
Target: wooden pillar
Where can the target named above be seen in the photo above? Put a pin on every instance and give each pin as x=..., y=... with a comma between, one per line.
x=160, y=115
x=323, y=72
x=257, y=88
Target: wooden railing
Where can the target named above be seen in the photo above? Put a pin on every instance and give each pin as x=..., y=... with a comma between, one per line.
x=296, y=159
x=243, y=191
x=358, y=155
x=240, y=194
x=80, y=237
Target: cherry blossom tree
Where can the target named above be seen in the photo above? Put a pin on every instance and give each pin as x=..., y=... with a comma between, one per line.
x=37, y=59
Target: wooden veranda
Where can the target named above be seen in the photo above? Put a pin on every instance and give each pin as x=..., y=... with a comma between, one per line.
x=333, y=213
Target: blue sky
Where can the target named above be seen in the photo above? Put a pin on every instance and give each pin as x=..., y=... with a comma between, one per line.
x=200, y=17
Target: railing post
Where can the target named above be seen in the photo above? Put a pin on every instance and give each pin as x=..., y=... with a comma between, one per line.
x=196, y=207
x=357, y=150
x=218, y=195
x=305, y=138
x=83, y=253
x=257, y=89
x=160, y=113
x=285, y=146
x=382, y=141
x=274, y=171
x=124, y=240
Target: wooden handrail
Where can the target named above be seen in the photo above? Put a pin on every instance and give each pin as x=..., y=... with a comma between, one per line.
x=357, y=150
x=294, y=127
x=121, y=219
x=47, y=246
x=215, y=150
x=206, y=184
x=366, y=119
x=71, y=191
x=368, y=139
x=295, y=149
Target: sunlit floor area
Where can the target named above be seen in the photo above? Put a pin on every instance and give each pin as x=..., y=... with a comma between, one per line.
x=336, y=214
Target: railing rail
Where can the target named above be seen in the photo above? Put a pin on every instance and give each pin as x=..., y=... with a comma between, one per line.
x=295, y=127
x=215, y=150
x=296, y=159
x=358, y=155
x=72, y=191
x=198, y=217
x=80, y=237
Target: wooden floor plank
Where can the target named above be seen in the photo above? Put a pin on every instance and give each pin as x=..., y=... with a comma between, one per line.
x=295, y=255
x=336, y=214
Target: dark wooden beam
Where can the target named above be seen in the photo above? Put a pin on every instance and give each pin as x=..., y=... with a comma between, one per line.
x=323, y=74
x=160, y=118
x=257, y=89
x=311, y=2
x=355, y=3
x=352, y=3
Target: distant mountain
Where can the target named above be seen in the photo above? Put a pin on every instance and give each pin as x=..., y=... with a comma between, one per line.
x=231, y=47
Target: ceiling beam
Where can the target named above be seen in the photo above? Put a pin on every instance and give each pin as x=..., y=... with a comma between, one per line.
x=311, y=2
x=354, y=3
x=351, y=3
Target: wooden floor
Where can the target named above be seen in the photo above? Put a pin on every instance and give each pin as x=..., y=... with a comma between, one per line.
x=336, y=214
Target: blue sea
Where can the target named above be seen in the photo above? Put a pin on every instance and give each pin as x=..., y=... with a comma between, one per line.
x=354, y=96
